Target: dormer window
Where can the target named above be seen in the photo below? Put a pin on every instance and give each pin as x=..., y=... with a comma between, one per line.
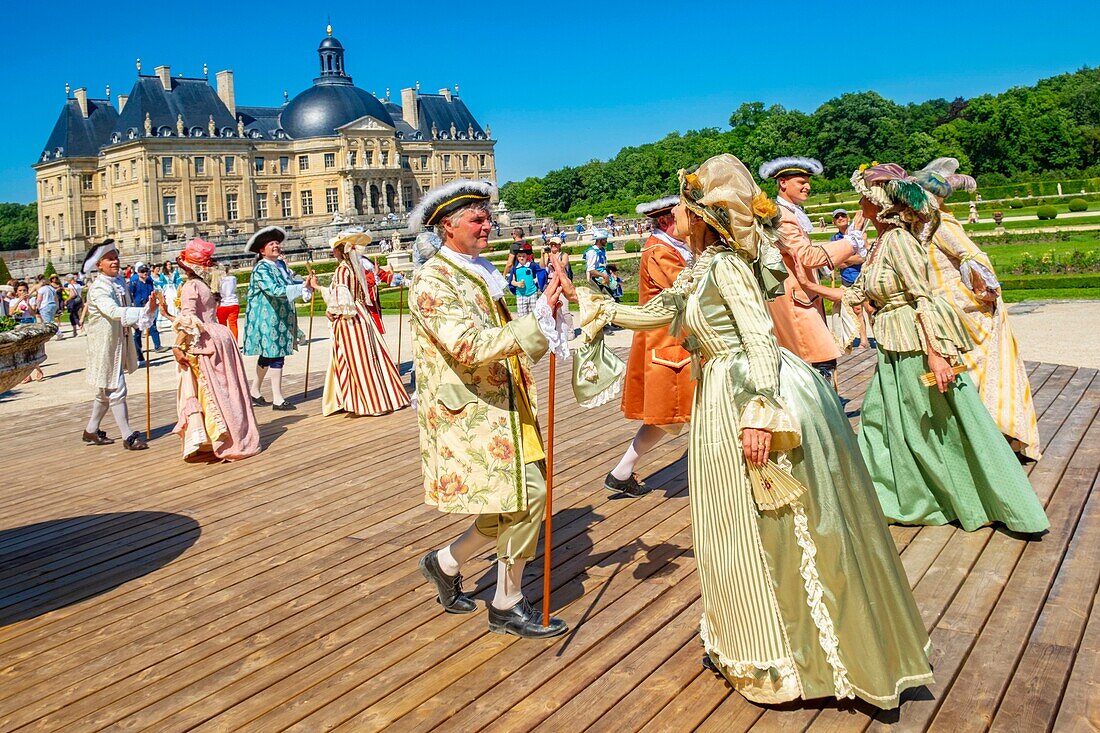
x=164, y=131
x=131, y=133
x=115, y=137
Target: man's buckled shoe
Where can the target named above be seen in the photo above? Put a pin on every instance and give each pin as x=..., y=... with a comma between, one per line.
x=448, y=588
x=524, y=621
x=97, y=438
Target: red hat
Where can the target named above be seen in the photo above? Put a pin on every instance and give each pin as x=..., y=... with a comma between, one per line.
x=198, y=252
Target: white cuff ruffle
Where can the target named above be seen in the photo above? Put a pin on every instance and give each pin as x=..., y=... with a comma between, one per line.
x=970, y=267
x=558, y=329
x=762, y=413
x=859, y=242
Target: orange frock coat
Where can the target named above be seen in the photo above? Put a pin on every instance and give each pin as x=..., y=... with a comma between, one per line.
x=658, y=388
x=799, y=319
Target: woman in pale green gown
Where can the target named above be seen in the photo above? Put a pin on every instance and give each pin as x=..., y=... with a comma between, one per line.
x=807, y=599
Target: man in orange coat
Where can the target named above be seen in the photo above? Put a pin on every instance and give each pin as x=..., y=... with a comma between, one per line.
x=799, y=318
x=658, y=387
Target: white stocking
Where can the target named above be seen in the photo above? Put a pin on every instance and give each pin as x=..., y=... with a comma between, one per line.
x=509, y=584
x=454, y=556
x=644, y=440
x=277, y=386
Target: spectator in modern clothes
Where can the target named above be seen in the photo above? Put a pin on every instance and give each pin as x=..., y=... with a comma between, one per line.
x=614, y=283
x=526, y=280
x=74, y=303
x=140, y=290
x=229, y=307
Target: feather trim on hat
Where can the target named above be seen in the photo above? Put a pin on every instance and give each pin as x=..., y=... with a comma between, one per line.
x=943, y=166
x=791, y=164
x=263, y=236
x=95, y=254
x=439, y=201
x=650, y=208
x=425, y=246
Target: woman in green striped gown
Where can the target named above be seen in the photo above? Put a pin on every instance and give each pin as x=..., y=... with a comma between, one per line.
x=935, y=453
x=808, y=599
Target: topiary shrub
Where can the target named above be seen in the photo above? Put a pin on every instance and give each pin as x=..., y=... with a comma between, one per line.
x=1015, y=203
x=1046, y=212
x=50, y=269
x=1078, y=205
x=632, y=247
x=5, y=275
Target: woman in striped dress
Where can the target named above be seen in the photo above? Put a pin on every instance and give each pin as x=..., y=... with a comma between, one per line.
x=361, y=378
x=804, y=595
x=934, y=452
x=962, y=273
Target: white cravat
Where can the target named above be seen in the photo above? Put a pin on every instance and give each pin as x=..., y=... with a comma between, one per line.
x=675, y=244
x=480, y=268
x=803, y=218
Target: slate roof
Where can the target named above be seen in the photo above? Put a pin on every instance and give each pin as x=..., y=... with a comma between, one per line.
x=195, y=99
x=435, y=108
x=77, y=136
x=264, y=120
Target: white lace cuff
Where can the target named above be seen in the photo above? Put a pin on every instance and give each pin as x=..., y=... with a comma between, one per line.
x=558, y=329
x=763, y=413
x=968, y=268
x=145, y=320
x=859, y=242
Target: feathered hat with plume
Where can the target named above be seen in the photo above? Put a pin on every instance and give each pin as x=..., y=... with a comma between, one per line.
x=899, y=197
x=941, y=179
x=447, y=199
x=661, y=206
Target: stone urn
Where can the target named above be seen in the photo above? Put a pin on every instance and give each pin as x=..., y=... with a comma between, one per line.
x=21, y=350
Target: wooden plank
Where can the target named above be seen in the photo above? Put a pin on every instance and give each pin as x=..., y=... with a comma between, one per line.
x=1080, y=705
x=1033, y=696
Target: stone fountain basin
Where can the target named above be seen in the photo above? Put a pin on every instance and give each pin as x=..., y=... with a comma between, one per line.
x=21, y=350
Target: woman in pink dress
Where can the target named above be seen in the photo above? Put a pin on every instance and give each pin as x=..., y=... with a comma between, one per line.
x=215, y=410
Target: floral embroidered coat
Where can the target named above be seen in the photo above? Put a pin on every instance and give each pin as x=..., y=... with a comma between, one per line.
x=471, y=449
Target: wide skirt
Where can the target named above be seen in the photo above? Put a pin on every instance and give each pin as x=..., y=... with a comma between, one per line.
x=361, y=378
x=809, y=600
x=937, y=458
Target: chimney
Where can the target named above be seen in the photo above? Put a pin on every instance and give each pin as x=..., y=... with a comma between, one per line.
x=225, y=91
x=445, y=93
x=122, y=102
x=408, y=108
x=165, y=74
x=81, y=95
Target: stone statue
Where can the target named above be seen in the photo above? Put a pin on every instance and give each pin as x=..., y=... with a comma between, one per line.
x=211, y=128
x=454, y=131
x=470, y=132
x=179, y=125
x=488, y=132
x=435, y=132
x=240, y=127
x=148, y=125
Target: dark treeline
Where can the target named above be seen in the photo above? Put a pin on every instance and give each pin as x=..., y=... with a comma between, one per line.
x=1052, y=127
x=18, y=226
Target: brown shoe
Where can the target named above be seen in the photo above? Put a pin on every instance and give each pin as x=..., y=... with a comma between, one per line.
x=97, y=438
x=135, y=442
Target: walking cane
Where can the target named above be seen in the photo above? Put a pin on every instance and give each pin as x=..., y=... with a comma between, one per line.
x=549, y=494
x=148, y=399
x=309, y=338
x=400, y=319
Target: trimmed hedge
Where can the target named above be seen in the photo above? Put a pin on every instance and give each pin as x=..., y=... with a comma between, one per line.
x=1078, y=205
x=1046, y=213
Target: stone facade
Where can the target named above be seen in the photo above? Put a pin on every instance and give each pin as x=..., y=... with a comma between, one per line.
x=148, y=179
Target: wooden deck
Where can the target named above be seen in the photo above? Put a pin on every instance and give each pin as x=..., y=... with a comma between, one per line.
x=282, y=592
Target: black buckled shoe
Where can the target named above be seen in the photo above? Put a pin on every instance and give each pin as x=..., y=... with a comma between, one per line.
x=135, y=442
x=97, y=438
x=631, y=486
x=524, y=621
x=259, y=401
x=284, y=406
x=448, y=588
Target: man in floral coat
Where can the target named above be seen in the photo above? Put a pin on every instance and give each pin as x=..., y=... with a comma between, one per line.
x=480, y=446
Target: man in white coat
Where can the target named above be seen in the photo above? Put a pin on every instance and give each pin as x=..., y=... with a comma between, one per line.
x=111, y=352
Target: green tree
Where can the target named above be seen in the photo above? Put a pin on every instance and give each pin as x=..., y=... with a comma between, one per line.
x=50, y=269
x=5, y=274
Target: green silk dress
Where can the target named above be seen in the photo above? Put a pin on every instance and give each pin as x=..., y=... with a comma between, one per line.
x=934, y=458
x=809, y=600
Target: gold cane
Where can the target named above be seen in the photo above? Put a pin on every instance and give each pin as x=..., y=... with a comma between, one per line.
x=549, y=493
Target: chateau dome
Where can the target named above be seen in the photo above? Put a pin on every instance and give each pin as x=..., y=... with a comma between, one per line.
x=333, y=101
x=319, y=110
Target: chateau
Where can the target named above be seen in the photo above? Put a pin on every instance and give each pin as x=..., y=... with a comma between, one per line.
x=180, y=158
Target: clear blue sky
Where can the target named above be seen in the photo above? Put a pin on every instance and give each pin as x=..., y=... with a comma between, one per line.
x=560, y=83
